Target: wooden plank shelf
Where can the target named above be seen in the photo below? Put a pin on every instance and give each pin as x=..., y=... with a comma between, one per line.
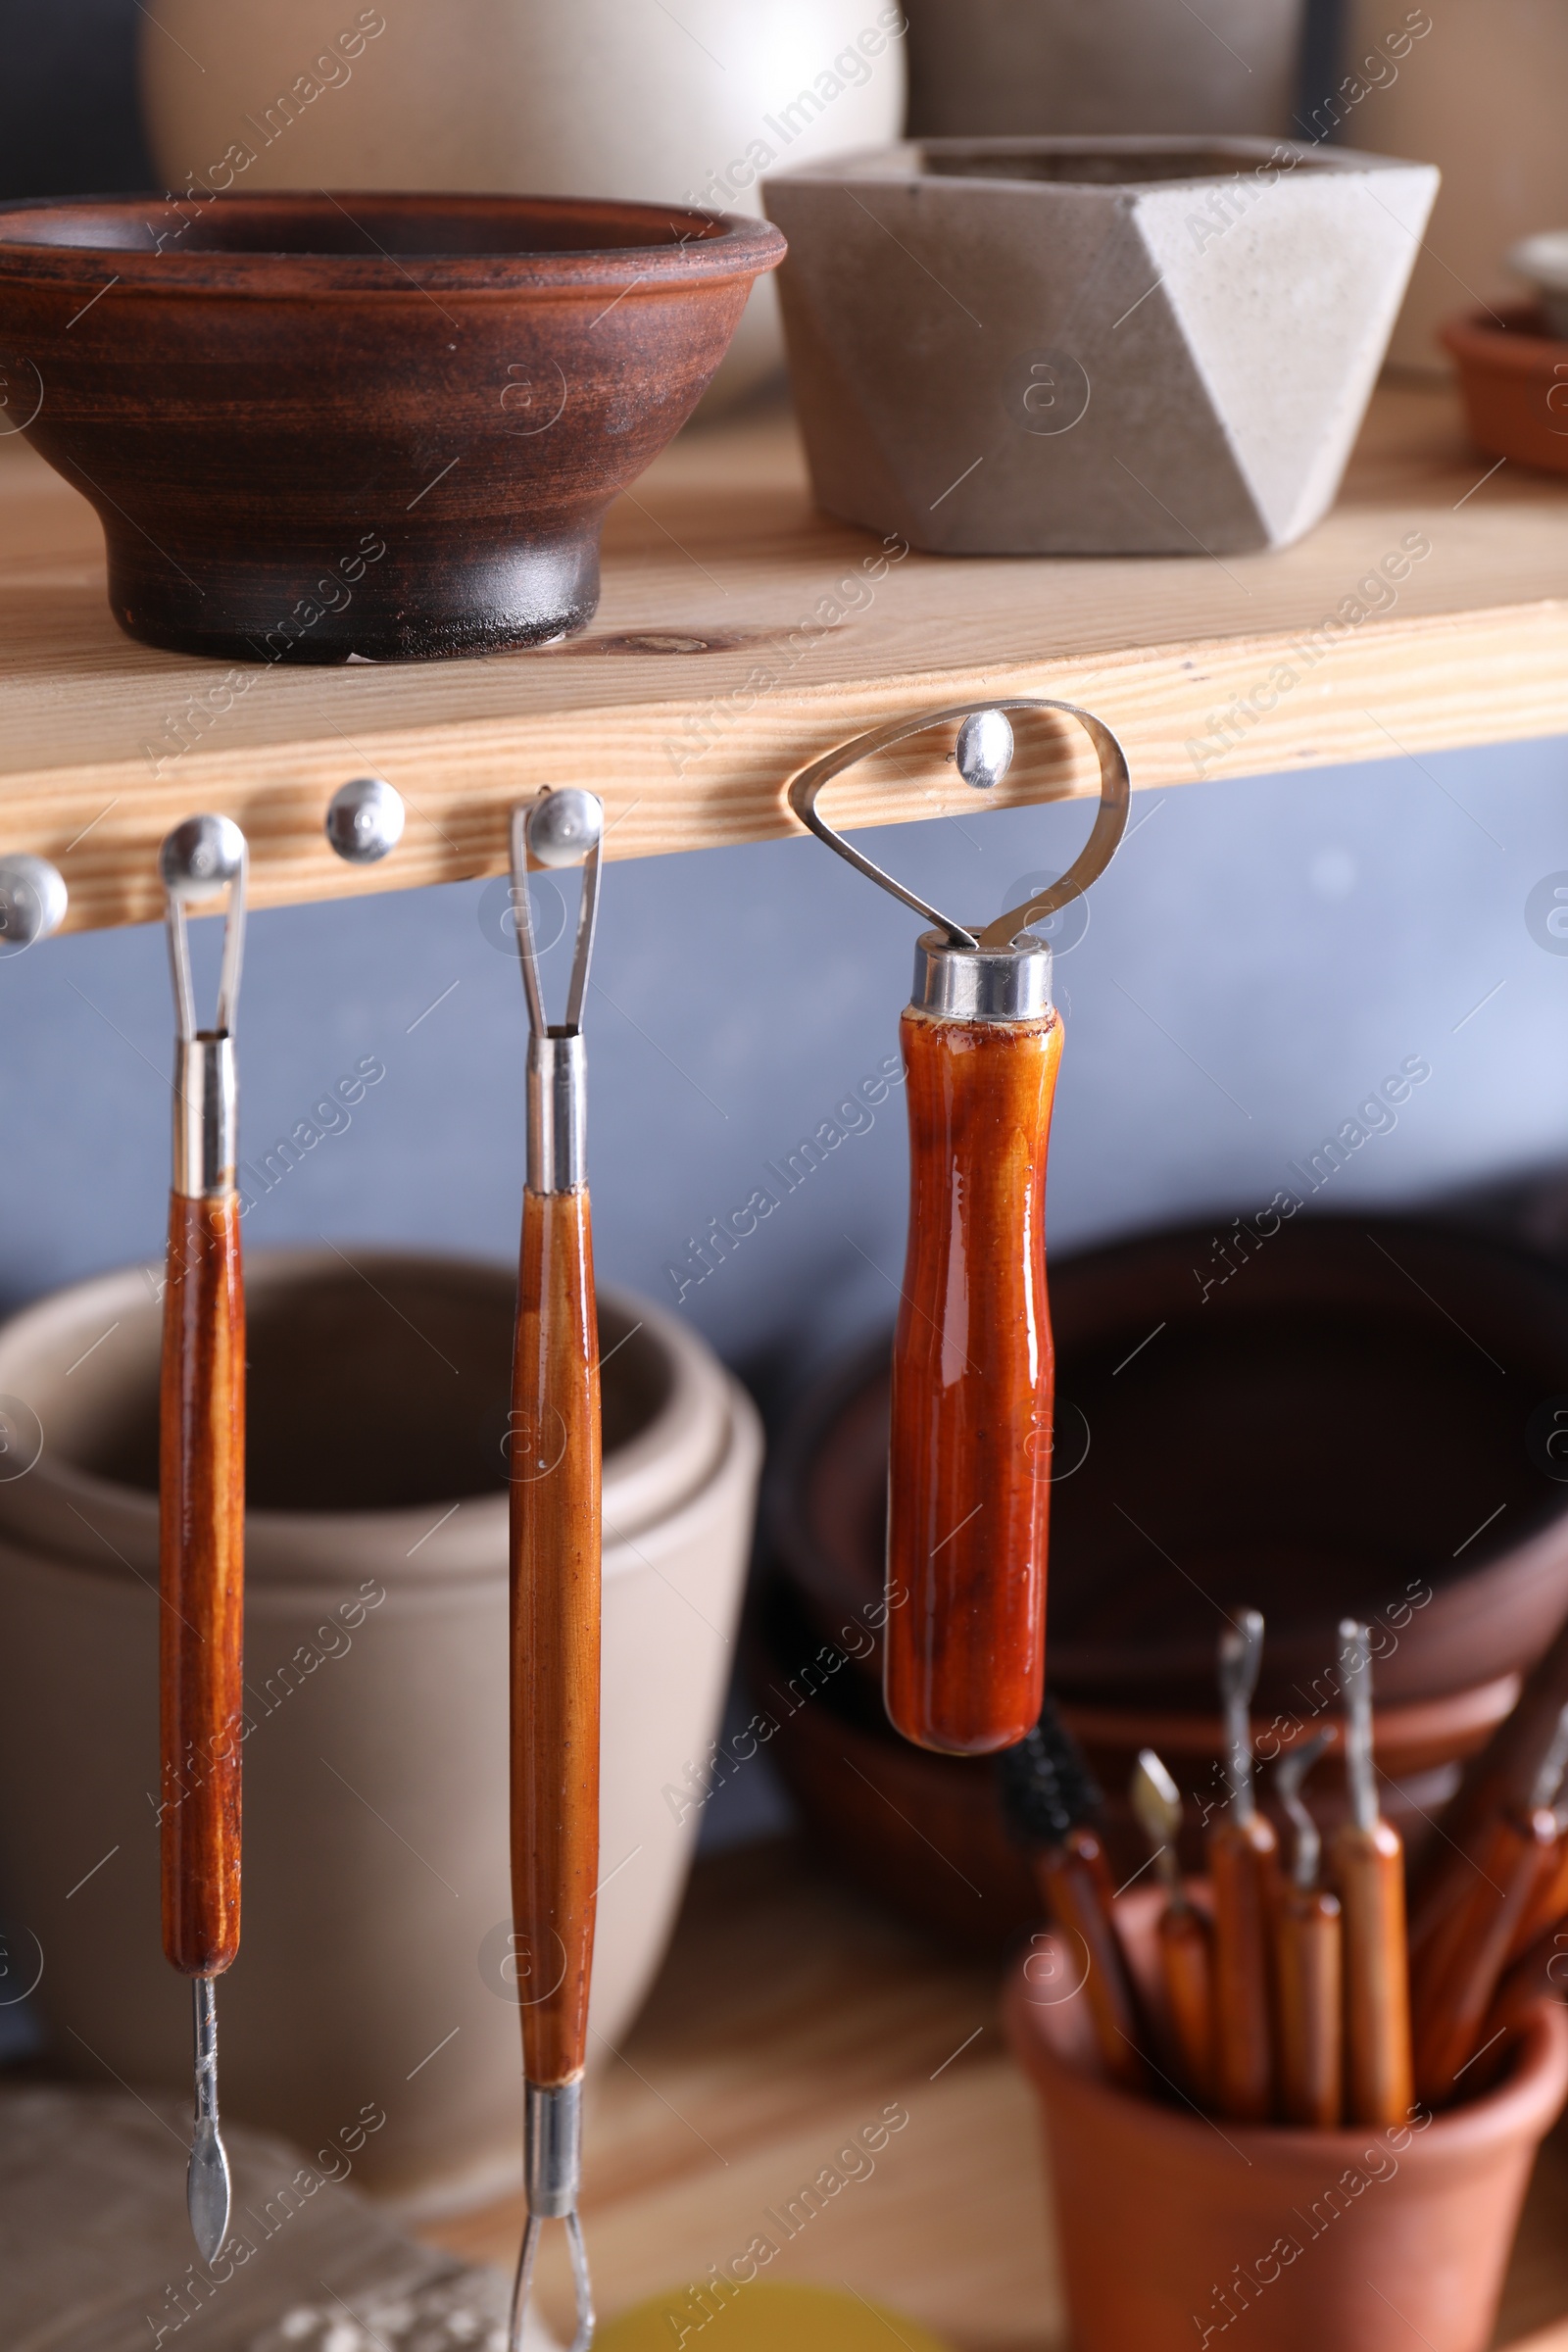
x=742, y=633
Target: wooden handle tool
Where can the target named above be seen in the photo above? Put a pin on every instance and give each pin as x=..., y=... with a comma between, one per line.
x=1369, y=1865
x=1048, y=1802
x=1185, y=1940
x=972, y=1370
x=1243, y=1863
x=1455, y=1973
x=554, y=1482
x=1549, y=1905
x=1308, y=1961
x=202, y=1496
x=1502, y=1775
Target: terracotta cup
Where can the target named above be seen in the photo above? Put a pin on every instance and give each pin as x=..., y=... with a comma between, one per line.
x=1172, y=2228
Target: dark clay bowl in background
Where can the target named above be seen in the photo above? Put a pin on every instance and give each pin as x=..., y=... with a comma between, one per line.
x=1325, y=1432
x=317, y=426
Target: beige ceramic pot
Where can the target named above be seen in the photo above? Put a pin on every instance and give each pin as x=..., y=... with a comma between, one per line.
x=375, y=1957
x=596, y=99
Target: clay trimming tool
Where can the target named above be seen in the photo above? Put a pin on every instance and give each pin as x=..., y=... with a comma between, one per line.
x=1369, y=1865
x=1185, y=1940
x=1308, y=1948
x=1243, y=1855
x=201, y=1488
x=972, y=1366
x=555, y=1542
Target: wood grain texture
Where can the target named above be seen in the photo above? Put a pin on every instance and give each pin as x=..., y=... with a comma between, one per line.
x=202, y=1577
x=789, y=2012
x=1075, y=1881
x=554, y=1469
x=1454, y=1976
x=969, y=1472
x=1369, y=1869
x=1306, y=1952
x=742, y=634
x=1244, y=1867
x=1186, y=1966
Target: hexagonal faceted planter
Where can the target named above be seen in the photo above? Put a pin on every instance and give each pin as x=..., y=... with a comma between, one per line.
x=1113, y=346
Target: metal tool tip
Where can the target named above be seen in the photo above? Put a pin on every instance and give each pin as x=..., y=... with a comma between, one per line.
x=984, y=751
x=365, y=821
x=563, y=827
x=33, y=899
x=1153, y=1773
x=201, y=857
x=208, y=2189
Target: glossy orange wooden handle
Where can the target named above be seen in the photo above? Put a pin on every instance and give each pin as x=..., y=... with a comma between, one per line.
x=1310, y=2007
x=1369, y=1867
x=555, y=1632
x=202, y=1577
x=1186, y=1963
x=1456, y=1972
x=1242, y=1867
x=972, y=1389
x=1075, y=1881
x=1546, y=1906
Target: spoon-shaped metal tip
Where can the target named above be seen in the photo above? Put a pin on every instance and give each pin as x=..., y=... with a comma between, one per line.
x=1157, y=1804
x=201, y=857
x=563, y=827
x=985, y=749
x=207, y=2182
x=207, y=2189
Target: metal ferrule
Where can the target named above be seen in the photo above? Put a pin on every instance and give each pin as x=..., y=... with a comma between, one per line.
x=552, y=2148
x=206, y=1116
x=557, y=1112
x=981, y=984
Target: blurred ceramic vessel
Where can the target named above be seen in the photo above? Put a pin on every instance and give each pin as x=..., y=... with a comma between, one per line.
x=983, y=67
x=690, y=105
x=375, y=1961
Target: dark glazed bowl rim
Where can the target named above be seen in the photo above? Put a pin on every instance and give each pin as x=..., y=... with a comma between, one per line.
x=688, y=246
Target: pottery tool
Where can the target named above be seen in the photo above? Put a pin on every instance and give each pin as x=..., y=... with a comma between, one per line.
x=1243, y=1857
x=970, y=1474
x=1307, y=1960
x=201, y=1491
x=1185, y=1940
x=1369, y=1867
x=1049, y=1803
x=1549, y=1905
x=555, y=1466
x=1455, y=1973
x=1502, y=1775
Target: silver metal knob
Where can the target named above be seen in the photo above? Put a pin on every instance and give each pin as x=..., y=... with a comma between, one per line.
x=365, y=821
x=201, y=858
x=563, y=827
x=33, y=899
x=984, y=750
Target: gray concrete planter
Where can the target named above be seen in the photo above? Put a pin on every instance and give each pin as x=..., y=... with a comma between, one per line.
x=1104, y=346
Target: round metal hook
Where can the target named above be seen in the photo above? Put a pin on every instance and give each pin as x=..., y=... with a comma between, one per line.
x=365, y=821
x=33, y=899
x=978, y=760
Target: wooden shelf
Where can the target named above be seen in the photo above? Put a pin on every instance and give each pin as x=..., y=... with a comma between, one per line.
x=788, y=2014
x=716, y=668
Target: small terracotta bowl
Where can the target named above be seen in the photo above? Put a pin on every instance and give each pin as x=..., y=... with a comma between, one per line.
x=317, y=426
x=1173, y=2227
x=1514, y=380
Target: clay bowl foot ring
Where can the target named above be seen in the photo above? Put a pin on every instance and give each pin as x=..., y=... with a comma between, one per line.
x=320, y=425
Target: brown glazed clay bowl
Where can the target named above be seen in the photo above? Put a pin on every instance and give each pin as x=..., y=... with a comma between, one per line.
x=317, y=426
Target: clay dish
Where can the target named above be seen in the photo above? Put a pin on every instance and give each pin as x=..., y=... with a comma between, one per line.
x=317, y=426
